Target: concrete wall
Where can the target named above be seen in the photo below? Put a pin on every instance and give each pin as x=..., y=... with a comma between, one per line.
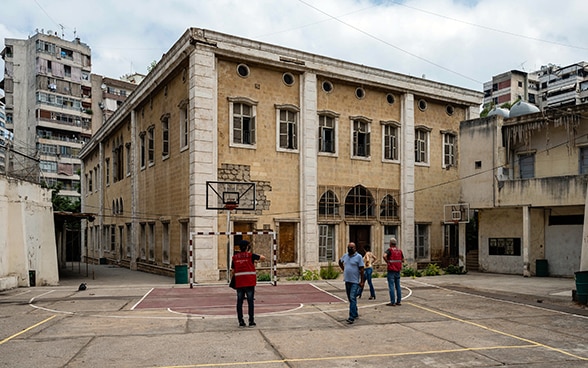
x=27, y=242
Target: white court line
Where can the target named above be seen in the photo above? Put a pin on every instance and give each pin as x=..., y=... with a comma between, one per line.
x=140, y=300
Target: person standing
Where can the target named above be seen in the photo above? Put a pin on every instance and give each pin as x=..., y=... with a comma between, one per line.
x=394, y=259
x=353, y=275
x=243, y=269
x=369, y=260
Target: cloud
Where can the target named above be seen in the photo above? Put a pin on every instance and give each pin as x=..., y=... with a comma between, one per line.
x=455, y=42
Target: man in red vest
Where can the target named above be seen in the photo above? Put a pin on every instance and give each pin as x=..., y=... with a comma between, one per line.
x=243, y=269
x=394, y=259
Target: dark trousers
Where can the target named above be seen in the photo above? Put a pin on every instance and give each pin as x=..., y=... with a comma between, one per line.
x=248, y=291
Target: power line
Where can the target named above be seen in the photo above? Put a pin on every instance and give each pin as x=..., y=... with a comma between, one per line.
x=391, y=45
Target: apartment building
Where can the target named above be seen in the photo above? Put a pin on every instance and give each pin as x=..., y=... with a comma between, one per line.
x=551, y=86
x=563, y=86
x=6, y=139
x=525, y=175
x=337, y=151
x=108, y=94
x=508, y=87
x=48, y=107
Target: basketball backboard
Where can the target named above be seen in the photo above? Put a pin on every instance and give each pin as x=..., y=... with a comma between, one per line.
x=456, y=213
x=221, y=195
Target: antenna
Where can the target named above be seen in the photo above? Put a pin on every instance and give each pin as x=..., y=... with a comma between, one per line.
x=61, y=26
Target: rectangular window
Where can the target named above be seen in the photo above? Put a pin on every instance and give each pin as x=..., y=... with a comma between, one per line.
x=142, y=151
x=326, y=134
x=165, y=242
x=361, y=138
x=67, y=70
x=112, y=238
x=527, y=166
x=129, y=240
x=184, y=241
x=184, y=127
x=165, y=137
x=89, y=177
x=143, y=242
x=583, y=160
x=151, y=241
x=421, y=143
x=288, y=129
x=243, y=124
x=421, y=242
x=390, y=231
x=150, y=146
x=96, y=178
x=504, y=246
x=107, y=169
x=128, y=149
x=327, y=243
x=448, y=150
x=390, y=142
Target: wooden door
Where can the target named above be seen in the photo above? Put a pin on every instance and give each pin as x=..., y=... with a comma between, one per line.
x=287, y=242
x=360, y=235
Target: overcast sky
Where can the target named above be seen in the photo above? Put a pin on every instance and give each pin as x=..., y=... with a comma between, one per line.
x=458, y=42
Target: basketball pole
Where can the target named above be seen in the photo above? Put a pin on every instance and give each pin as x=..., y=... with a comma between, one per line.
x=228, y=244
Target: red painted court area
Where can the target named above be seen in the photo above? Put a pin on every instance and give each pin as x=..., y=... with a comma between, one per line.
x=220, y=300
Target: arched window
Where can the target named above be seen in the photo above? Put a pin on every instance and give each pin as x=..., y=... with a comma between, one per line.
x=329, y=204
x=389, y=208
x=359, y=202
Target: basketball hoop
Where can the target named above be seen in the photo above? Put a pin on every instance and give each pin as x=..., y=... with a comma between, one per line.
x=231, y=205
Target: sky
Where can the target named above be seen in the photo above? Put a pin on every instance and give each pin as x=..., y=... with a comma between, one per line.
x=457, y=42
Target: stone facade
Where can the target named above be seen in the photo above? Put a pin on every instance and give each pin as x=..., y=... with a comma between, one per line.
x=316, y=188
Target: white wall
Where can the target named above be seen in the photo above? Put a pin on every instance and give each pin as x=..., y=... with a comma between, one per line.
x=27, y=240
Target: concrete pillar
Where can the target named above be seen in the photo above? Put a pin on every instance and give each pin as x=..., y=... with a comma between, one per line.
x=309, y=173
x=526, y=240
x=406, y=241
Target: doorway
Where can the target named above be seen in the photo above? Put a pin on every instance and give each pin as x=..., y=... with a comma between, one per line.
x=361, y=236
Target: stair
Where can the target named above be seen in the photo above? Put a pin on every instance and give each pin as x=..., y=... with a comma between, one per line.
x=472, y=263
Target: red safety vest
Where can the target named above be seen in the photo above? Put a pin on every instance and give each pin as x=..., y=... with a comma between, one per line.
x=394, y=260
x=244, y=269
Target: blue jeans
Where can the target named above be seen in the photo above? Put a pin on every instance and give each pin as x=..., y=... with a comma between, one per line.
x=394, y=285
x=241, y=292
x=351, y=288
x=368, y=278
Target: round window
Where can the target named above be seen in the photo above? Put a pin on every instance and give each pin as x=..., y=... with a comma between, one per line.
x=449, y=110
x=288, y=79
x=327, y=86
x=422, y=105
x=390, y=98
x=359, y=93
x=243, y=70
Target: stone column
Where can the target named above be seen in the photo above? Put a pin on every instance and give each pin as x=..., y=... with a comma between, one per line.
x=406, y=241
x=308, y=172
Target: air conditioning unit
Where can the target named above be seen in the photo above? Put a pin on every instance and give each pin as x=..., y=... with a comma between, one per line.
x=503, y=173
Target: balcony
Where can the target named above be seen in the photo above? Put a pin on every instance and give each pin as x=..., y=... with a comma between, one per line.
x=550, y=191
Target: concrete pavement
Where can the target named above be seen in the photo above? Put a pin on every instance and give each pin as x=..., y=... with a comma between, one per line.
x=473, y=320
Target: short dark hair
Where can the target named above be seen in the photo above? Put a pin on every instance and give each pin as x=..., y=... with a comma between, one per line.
x=243, y=244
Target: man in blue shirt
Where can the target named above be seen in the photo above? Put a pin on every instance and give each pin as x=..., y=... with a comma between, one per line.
x=352, y=266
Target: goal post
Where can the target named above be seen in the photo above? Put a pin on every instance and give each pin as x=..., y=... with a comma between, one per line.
x=262, y=242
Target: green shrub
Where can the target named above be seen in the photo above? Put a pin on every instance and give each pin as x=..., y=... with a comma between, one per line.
x=309, y=275
x=455, y=270
x=410, y=272
x=329, y=273
x=432, y=270
x=264, y=277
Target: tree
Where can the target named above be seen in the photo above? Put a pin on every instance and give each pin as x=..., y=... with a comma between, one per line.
x=151, y=66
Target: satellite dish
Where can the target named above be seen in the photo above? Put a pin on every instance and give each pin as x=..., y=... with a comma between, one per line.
x=103, y=86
